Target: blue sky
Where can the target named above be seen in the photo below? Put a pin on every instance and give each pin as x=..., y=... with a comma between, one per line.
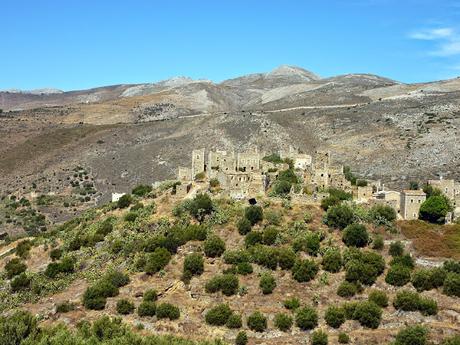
x=81, y=44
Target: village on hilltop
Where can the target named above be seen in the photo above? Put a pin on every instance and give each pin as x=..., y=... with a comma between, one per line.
x=252, y=174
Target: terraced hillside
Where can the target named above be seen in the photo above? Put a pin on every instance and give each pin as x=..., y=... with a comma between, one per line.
x=216, y=269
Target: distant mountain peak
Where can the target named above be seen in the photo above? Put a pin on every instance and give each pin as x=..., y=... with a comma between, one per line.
x=44, y=91
x=287, y=70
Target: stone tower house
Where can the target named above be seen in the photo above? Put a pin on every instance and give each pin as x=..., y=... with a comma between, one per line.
x=411, y=200
x=198, y=162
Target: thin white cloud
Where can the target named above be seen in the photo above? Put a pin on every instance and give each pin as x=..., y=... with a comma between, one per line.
x=432, y=34
x=446, y=39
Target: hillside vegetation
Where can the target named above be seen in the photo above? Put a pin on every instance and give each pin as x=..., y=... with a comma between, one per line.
x=210, y=269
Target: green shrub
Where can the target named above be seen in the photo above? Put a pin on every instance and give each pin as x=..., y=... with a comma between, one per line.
x=227, y=283
x=194, y=264
x=339, y=216
x=312, y=243
x=412, y=335
x=265, y=256
x=218, y=315
x=142, y=190
x=406, y=300
x=20, y=282
x=382, y=213
x=55, y=254
x=360, y=272
x=67, y=265
x=355, y=235
x=131, y=216
x=330, y=201
x=286, y=258
x=347, y=289
x=147, y=308
x=125, y=307
x=377, y=242
x=244, y=268
x=304, y=270
x=14, y=267
x=254, y=214
x=435, y=208
x=426, y=279
x=332, y=260
x=343, y=338
x=16, y=327
x=124, y=201
x=200, y=207
x=306, y=318
x=241, y=338
x=150, y=295
x=244, y=226
x=23, y=248
x=427, y=306
x=117, y=278
x=95, y=295
x=252, y=238
x=396, y=249
x=257, y=322
x=454, y=340
x=398, y=275
x=452, y=285
x=452, y=266
x=233, y=257
x=292, y=303
x=283, y=322
x=65, y=307
x=319, y=337
x=335, y=316
x=368, y=314
x=234, y=321
x=403, y=260
x=269, y=235
x=349, y=309
x=378, y=297
x=267, y=283
x=273, y=217
x=157, y=260
x=167, y=310
x=214, y=246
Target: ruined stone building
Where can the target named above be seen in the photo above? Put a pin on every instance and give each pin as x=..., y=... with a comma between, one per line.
x=411, y=200
x=451, y=190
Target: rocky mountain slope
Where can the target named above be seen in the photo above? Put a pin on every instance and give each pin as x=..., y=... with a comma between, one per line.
x=127, y=134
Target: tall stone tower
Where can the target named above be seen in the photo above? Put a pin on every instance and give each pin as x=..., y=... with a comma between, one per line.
x=198, y=165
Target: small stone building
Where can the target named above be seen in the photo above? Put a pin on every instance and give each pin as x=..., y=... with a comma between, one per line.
x=411, y=200
x=198, y=162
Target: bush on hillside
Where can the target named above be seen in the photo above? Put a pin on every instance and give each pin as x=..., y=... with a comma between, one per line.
x=306, y=318
x=15, y=267
x=412, y=335
x=150, y=295
x=339, y=216
x=425, y=279
x=368, y=314
x=20, y=282
x=55, y=254
x=244, y=226
x=379, y=297
x=377, y=242
x=218, y=315
x=283, y=322
x=234, y=321
x=319, y=337
x=452, y=285
x=355, y=235
x=200, y=207
x=292, y=303
x=405, y=260
x=156, y=261
x=167, y=311
x=124, y=201
x=396, y=249
x=304, y=270
x=254, y=214
x=452, y=266
x=265, y=256
x=125, y=307
x=227, y=283
x=257, y=322
x=270, y=235
x=398, y=275
x=286, y=258
x=142, y=190
x=335, y=316
x=252, y=238
x=435, y=208
x=347, y=289
x=267, y=283
x=382, y=214
x=332, y=260
x=241, y=338
x=194, y=264
x=147, y=308
x=237, y=256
